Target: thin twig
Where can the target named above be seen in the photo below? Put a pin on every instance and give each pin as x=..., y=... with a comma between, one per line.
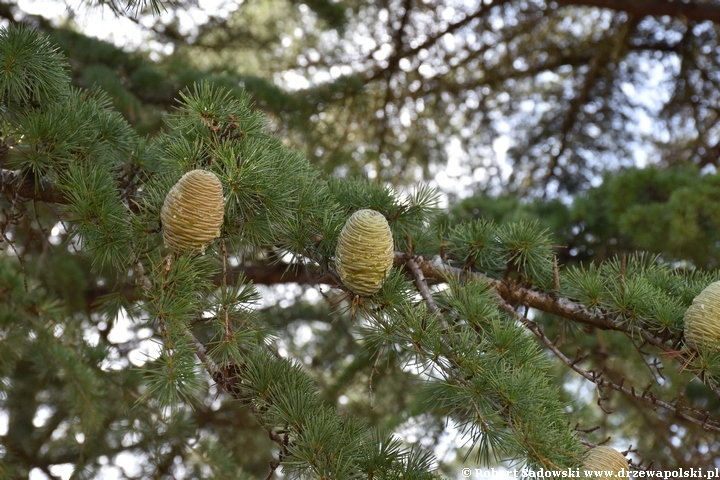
x=562, y=307
x=212, y=368
x=422, y=285
x=372, y=372
x=597, y=379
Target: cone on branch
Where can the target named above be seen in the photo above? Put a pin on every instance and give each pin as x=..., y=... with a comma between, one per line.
x=702, y=320
x=193, y=212
x=364, y=253
x=606, y=459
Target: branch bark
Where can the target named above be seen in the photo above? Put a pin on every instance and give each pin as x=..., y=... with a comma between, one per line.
x=483, y=10
x=14, y=184
x=675, y=406
x=514, y=294
x=692, y=10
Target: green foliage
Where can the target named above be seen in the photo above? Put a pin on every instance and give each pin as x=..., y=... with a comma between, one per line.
x=102, y=226
x=637, y=288
x=332, y=12
x=79, y=142
x=475, y=245
x=32, y=71
x=46, y=348
x=528, y=250
x=506, y=390
x=671, y=211
x=517, y=249
x=234, y=373
x=318, y=442
x=174, y=379
x=483, y=372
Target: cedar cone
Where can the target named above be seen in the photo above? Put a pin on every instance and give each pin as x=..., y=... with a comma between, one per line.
x=702, y=320
x=365, y=251
x=606, y=459
x=193, y=212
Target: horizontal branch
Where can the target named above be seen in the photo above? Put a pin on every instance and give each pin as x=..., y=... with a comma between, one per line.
x=517, y=294
x=258, y=273
x=261, y=273
x=682, y=411
x=13, y=184
x=514, y=294
x=451, y=28
x=691, y=10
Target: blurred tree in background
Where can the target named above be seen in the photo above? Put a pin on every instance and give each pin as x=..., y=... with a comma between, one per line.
x=394, y=89
x=566, y=135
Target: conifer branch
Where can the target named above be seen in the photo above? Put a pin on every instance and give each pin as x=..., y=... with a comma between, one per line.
x=230, y=383
x=422, y=285
x=451, y=364
x=683, y=411
x=483, y=10
x=212, y=368
x=515, y=294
